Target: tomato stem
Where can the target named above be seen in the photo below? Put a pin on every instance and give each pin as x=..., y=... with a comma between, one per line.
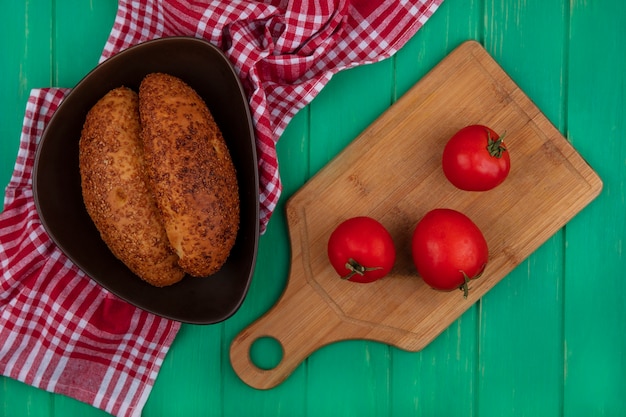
x=495, y=147
x=465, y=286
x=356, y=268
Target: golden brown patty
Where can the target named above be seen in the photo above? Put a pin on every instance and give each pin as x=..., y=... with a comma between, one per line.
x=116, y=193
x=191, y=173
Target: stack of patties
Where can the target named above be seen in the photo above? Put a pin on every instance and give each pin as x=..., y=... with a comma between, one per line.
x=158, y=180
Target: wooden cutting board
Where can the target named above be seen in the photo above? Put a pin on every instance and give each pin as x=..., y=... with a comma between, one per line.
x=392, y=172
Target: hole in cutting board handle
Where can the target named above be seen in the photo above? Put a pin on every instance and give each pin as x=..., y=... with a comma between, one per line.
x=266, y=353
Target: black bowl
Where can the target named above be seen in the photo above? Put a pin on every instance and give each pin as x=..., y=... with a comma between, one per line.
x=58, y=195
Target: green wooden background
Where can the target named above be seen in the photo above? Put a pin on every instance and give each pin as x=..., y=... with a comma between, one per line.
x=548, y=340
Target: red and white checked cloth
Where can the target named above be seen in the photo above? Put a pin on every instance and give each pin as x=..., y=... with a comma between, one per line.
x=284, y=51
x=61, y=332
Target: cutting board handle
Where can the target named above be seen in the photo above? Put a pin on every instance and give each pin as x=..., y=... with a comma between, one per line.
x=301, y=321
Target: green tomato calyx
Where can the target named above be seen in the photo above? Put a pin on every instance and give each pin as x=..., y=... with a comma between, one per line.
x=356, y=268
x=496, y=147
x=465, y=286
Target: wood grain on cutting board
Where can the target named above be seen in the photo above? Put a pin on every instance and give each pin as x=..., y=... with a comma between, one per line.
x=392, y=172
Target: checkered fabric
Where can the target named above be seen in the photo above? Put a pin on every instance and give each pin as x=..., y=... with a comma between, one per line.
x=60, y=331
x=283, y=51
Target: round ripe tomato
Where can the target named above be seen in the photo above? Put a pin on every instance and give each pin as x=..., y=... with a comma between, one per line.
x=361, y=250
x=476, y=159
x=448, y=250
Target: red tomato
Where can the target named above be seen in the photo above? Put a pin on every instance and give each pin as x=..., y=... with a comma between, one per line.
x=449, y=250
x=361, y=250
x=476, y=159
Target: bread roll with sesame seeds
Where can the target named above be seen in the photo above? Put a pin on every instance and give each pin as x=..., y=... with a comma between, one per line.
x=191, y=173
x=116, y=193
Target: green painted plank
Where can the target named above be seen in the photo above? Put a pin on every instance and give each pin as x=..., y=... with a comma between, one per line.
x=191, y=370
x=595, y=293
x=454, y=22
x=80, y=33
x=527, y=40
x=293, y=156
x=26, y=62
x=348, y=378
x=269, y=281
x=523, y=319
x=62, y=405
x=521, y=352
x=349, y=103
x=18, y=399
x=440, y=379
